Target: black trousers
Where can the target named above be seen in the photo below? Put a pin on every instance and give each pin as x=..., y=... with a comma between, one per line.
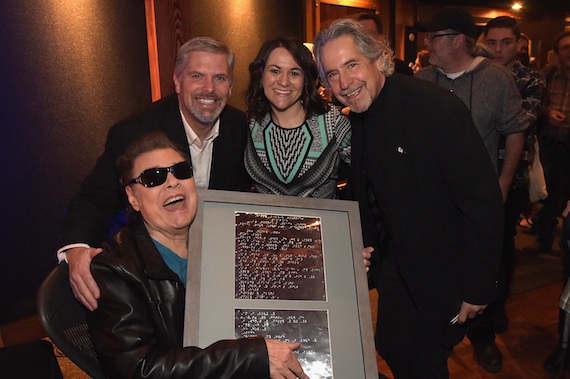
x=555, y=159
x=403, y=339
x=494, y=319
x=564, y=240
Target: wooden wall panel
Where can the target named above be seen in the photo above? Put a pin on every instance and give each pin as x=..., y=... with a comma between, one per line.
x=168, y=28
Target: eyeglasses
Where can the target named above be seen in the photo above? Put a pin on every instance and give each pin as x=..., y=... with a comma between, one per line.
x=431, y=36
x=156, y=176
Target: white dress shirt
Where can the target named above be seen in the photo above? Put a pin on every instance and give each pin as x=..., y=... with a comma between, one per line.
x=201, y=152
x=201, y=155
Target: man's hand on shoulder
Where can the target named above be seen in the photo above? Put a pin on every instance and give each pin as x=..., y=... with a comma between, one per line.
x=82, y=283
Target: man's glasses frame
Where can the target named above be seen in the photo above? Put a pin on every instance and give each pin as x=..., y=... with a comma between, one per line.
x=431, y=36
x=156, y=176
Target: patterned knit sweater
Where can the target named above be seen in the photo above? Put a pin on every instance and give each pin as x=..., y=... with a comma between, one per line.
x=302, y=161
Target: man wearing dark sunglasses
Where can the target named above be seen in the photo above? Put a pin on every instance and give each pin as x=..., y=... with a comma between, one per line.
x=197, y=119
x=156, y=176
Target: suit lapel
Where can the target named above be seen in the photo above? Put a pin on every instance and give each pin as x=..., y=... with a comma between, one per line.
x=172, y=124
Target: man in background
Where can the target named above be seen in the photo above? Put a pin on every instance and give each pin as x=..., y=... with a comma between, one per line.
x=372, y=22
x=554, y=141
x=489, y=92
x=502, y=36
x=523, y=56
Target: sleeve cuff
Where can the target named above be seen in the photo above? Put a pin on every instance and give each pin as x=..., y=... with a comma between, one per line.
x=61, y=256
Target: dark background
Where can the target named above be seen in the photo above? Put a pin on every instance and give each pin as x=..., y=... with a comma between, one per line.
x=69, y=70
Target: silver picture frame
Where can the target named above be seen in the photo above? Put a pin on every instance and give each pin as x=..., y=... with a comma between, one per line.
x=224, y=301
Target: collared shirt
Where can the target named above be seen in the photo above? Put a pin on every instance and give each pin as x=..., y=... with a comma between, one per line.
x=531, y=86
x=201, y=156
x=174, y=262
x=201, y=152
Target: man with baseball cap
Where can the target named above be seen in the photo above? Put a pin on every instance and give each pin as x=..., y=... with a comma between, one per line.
x=490, y=93
x=456, y=19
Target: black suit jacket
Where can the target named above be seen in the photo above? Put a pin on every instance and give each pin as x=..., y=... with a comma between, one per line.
x=89, y=214
x=417, y=151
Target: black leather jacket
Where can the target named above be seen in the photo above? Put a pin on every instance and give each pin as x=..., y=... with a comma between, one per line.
x=137, y=328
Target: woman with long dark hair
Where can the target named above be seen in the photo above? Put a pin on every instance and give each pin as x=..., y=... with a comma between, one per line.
x=297, y=139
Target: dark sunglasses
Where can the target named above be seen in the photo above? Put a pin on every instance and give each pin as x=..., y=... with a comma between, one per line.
x=156, y=176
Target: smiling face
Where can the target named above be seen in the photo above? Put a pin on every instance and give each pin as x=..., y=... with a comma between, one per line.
x=504, y=45
x=283, y=81
x=353, y=78
x=203, y=87
x=167, y=209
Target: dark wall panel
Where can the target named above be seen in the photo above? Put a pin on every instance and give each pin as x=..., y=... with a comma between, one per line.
x=69, y=70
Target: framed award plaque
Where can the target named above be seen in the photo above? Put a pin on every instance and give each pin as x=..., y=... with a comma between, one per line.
x=286, y=268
